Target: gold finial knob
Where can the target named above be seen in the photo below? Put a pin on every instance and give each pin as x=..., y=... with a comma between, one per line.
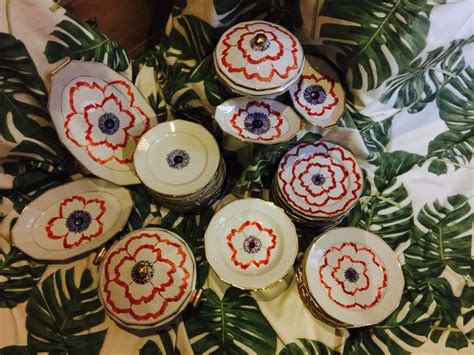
x=260, y=39
x=143, y=271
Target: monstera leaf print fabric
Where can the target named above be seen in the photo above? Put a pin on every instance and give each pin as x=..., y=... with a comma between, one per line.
x=408, y=71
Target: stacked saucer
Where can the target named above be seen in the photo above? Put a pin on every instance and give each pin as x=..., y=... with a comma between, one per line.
x=317, y=184
x=258, y=58
x=180, y=163
x=350, y=278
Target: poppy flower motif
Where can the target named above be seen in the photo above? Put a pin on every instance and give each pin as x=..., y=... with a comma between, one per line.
x=78, y=221
x=261, y=51
x=319, y=180
x=315, y=94
x=251, y=244
x=140, y=281
x=257, y=121
x=178, y=159
x=104, y=120
x=353, y=275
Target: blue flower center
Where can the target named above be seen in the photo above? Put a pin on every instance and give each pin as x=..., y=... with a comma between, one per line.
x=318, y=179
x=142, y=272
x=109, y=123
x=78, y=221
x=257, y=123
x=252, y=245
x=315, y=94
x=351, y=275
x=178, y=159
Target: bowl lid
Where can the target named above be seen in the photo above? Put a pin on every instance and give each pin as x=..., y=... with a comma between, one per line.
x=318, y=94
x=177, y=158
x=99, y=116
x=259, y=55
x=320, y=179
x=72, y=219
x=354, y=276
x=254, y=120
x=147, y=278
x=251, y=244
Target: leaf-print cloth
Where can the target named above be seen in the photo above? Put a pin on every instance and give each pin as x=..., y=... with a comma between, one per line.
x=409, y=79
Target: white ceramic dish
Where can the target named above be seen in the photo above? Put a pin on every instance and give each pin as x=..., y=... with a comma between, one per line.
x=177, y=158
x=259, y=55
x=354, y=276
x=320, y=179
x=99, y=116
x=72, y=219
x=251, y=244
x=258, y=120
x=318, y=94
x=147, y=278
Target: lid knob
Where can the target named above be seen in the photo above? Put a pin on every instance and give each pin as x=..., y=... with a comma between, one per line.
x=260, y=42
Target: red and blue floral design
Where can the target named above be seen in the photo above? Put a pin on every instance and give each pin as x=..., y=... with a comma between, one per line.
x=315, y=94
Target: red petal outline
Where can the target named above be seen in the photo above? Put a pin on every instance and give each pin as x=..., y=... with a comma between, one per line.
x=307, y=107
x=247, y=55
x=269, y=248
x=261, y=104
x=357, y=249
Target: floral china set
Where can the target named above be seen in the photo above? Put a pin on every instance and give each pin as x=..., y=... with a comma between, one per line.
x=347, y=278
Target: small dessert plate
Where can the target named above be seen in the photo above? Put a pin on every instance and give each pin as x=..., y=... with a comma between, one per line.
x=147, y=278
x=320, y=179
x=354, y=276
x=99, y=116
x=177, y=158
x=261, y=121
x=251, y=244
x=258, y=56
x=318, y=95
x=72, y=219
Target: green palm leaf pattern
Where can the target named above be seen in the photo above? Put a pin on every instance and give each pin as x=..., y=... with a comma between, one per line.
x=418, y=84
x=221, y=326
x=307, y=346
x=372, y=36
x=456, y=109
x=18, y=275
x=442, y=238
x=66, y=317
x=151, y=348
x=75, y=39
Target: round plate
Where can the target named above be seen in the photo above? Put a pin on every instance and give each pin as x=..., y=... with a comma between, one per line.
x=259, y=55
x=258, y=120
x=147, y=278
x=320, y=179
x=177, y=158
x=354, y=276
x=251, y=244
x=99, y=116
x=318, y=94
x=72, y=219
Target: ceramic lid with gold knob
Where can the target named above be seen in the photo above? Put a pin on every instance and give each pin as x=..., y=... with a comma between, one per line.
x=147, y=278
x=258, y=58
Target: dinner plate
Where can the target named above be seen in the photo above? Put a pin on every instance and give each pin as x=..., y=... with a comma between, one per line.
x=99, y=116
x=251, y=244
x=318, y=94
x=354, y=276
x=260, y=121
x=72, y=219
x=147, y=278
x=177, y=158
x=320, y=179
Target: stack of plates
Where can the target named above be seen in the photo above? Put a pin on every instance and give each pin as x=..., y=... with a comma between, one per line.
x=147, y=278
x=251, y=244
x=258, y=58
x=317, y=184
x=350, y=278
x=180, y=162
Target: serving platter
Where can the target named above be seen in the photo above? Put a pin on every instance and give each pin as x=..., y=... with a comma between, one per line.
x=72, y=219
x=99, y=116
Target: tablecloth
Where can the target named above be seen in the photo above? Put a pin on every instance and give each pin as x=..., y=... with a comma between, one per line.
x=408, y=75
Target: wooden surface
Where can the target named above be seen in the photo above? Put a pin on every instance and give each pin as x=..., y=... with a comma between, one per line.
x=135, y=24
